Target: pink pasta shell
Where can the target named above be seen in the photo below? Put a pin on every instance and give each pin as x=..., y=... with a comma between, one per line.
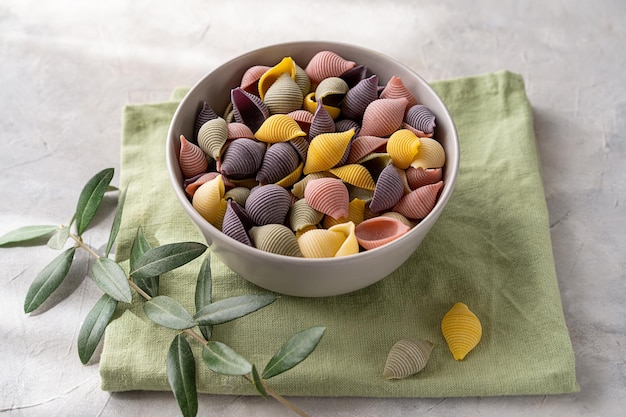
x=192, y=184
x=329, y=196
x=327, y=64
x=395, y=88
x=304, y=118
x=419, y=202
x=365, y=145
x=239, y=130
x=382, y=117
x=419, y=177
x=250, y=78
x=191, y=159
x=377, y=231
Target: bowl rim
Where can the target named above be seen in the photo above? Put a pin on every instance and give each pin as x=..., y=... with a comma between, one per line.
x=197, y=219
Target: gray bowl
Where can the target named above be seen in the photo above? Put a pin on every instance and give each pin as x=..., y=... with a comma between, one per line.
x=299, y=276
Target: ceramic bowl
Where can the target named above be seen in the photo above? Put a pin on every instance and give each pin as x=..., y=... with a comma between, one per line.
x=306, y=277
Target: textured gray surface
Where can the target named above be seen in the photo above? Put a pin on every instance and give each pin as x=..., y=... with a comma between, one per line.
x=67, y=69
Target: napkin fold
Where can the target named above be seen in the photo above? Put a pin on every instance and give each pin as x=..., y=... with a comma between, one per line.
x=490, y=249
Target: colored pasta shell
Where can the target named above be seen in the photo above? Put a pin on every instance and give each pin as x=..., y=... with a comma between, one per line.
x=278, y=128
x=431, y=154
x=326, y=64
x=192, y=184
x=403, y=147
x=365, y=145
x=406, y=358
x=248, y=109
x=268, y=204
x=291, y=178
x=279, y=161
x=401, y=218
x=354, y=174
x=209, y=202
x=236, y=223
x=354, y=75
x=301, y=215
x=238, y=194
x=212, y=136
x=337, y=241
x=421, y=118
x=250, y=78
x=283, y=96
x=275, y=238
x=419, y=202
x=359, y=97
x=205, y=114
x=356, y=214
x=191, y=159
x=419, y=177
x=301, y=145
x=327, y=150
x=377, y=231
x=309, y=104
x=303, y=81
x=285, y=66
x=389, y=189
x=242, y=158
x=239, y=130
x=461, y=329
x=299, y=187
x=347, y=124
x=321, y=122
x=304, y=118
x=328, y=195
x=382, y=117
x=331, y=90
x=395, y=88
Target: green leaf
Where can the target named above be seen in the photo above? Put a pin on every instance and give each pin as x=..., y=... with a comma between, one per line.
x=294, y=351
x=94, y=326
x=111, y=188
x=165, y=258
x=140, y=246
x=232, y=308
x=48, y=280
x=258, y=383
x=181, y=374
x=222, y=359
x=59, y=238
x=91, y=197
x=115, y=227
x=111, y=279
x=168, y=312
x=203, y=292
x=26, y=234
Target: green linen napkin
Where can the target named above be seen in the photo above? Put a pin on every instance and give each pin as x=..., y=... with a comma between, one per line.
x=490, y=249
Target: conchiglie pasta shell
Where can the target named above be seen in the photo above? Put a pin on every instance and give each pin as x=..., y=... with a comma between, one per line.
x=278, y=128
x=248, y=108
x=403, y=147
x=303, y=81
x=400, y=217
x=419, y=177
x=192, y=184
x=212, y=136
x=275, y=238
x=301, y=215
x=354, y=75
x=395, y=88
x=419, y=202
x=363, y=146
x=326, y=64
x=191, y=159
x=350, y=245
x=238, y=194
x=242, y=158
x=268, y=204
x=347, y=124
x=309, y=104
x=389, y=189
x=299, y=187
x=205, y=114
x=320, y=243
x=250, y=78
x=304, y=118
x=430, y=155
x=239, y=130
x=461, y=329
x=283, y=96
x=354, y=174
x=359, y=97
x=382, y=117
x=301, y=145
x=286, y=65
x=421, y=118
x=328, y=195
x=331, y=91
x=377, y=231
x=322, y=122
x=356, y=213
x=280, y=160
x=406, y=358
x=236, y=223
x=327, y=150
x=209, y=202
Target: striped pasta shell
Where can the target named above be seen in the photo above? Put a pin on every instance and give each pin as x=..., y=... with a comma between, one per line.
x=337, y=241
x=279, y=161
x=359, y=97
x=461, y=329
x=326, y=64
x=209, y=202
x=365, y=145
x=383, y=116
x=250, y=78
x=212, y=136
x=406, y=358
x=354, y=75
x=378, y=231
x=236, y=223
x=205, y=114
x=332, y=91
x=239, y=130
x=301, y=215
x=191, y=159
x=299, y=187
x=347, y=124
x=268, y=204
x=309, y=104
x=356, y=214
x=403, y=147
x=327, y=150
x=248, y=108
x=328, y=195
x=354, y=174
x=389, y=189
x=283, y=96
x=302, y=80
x=419, y=177
x=243, y=158
x=350, y=245
x=278, y=128
x=395, y=88
x=275, y=238
x=419, y=202
x=359, y=193
x=192, y=184
x=238, y=194
x=322, y=122
x=286, y=65
x=301, y=145
x=421, y=118
x=430, y=155
x=304, y=118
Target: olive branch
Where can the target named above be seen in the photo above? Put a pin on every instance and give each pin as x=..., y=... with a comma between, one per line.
x=146, y=264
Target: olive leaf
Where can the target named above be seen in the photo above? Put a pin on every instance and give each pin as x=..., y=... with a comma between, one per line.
x=181, y=374
x=48, y=280
x=26, y=234
x=294, y=351
x=59, y=237
x=93, y=327
x=258, y=383
x=111, y=279
x=140, y=246
x=228, y=309
x=165, y=258
x=222, y=359
x=203, y=292
x=115, y=227
x=167, y=312
x=90, y=198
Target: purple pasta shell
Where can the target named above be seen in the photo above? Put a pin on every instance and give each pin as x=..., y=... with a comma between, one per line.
x=301, y=145
x=268, y=204
x=421, y=118
x=359, y=97
x=322, y=122
x=205, y=114
x=279, y=161
x=354, y=75
x=248, y=108
x=242, y=158
x=389, y=189
x=344, y=125
x=236, y=223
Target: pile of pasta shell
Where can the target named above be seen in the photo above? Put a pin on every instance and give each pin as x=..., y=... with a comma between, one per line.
x=315, y=161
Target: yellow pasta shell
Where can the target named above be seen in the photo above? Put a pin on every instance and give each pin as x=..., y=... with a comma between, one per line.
x=461, y=329
x=278, y=128
x=326, y=150
x=350, y=245
x=320, y=243
x=431, y=155
x=356, y=214
x=402, y=147
x=209, y=201
x=311, y=105
x=356, y=175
